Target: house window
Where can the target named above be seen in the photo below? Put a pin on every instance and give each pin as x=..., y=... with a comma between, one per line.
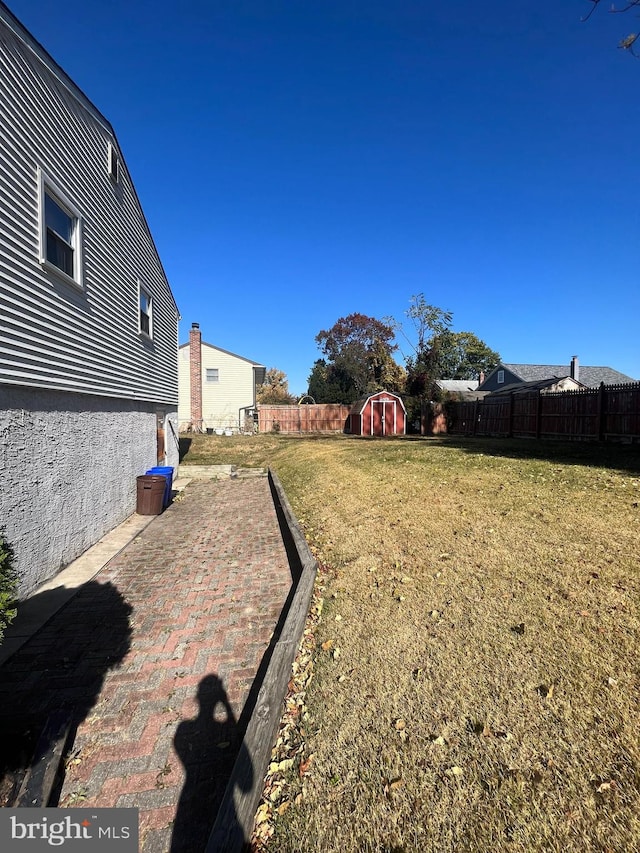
x=500, y=377
x=60, y=232
x=146, y=326
x=213, y=374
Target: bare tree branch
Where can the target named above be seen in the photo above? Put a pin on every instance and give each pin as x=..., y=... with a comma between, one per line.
x=628, y=42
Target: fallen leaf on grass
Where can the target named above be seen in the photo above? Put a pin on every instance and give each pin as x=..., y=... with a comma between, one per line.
x=487, y=731
x=304, y=765
x=606, y=786
x=327, y=645
x=399, y=725
x=262, y=814
x=392, y=785
x=454, y=771
x=281, y=766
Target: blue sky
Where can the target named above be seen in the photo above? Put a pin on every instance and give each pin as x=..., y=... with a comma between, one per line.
x=299, y=160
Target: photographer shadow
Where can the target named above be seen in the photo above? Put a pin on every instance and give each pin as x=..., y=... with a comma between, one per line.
x=51, y=683
x=208, y=747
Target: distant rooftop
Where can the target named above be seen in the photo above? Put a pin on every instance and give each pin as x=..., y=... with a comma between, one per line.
x=587, y=375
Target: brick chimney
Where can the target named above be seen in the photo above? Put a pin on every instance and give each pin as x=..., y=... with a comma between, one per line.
x=575, y=368
x=195, y=376
x=481, y=378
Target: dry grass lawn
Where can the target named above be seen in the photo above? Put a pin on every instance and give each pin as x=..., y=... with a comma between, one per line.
x=479, y=686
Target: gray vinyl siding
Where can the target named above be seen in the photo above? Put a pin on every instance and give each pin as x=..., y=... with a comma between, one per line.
x=52, y=334
x=491, y=382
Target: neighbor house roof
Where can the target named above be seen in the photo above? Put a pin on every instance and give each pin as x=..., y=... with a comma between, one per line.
x=458, y=386
x=226, y=352
x=589, y=376
x=564, y=383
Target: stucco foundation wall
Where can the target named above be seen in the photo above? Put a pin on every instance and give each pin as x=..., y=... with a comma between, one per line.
x=69, y=464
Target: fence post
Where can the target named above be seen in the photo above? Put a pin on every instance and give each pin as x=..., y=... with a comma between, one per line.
x=601, y=412
x=510, y=421
x=475, y=417
x=539, y=415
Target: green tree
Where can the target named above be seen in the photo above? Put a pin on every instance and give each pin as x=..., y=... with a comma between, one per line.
x=330, y=384
x=462, y=355
x=430, y=324
x=358, y=359
x=275, y=389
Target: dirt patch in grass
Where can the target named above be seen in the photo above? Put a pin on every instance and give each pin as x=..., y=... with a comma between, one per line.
x=483, y=605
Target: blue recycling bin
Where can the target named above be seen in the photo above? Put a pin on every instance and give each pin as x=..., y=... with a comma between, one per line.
x=165, y=471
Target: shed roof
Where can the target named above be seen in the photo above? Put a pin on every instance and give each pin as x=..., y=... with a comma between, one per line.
x=358, y=407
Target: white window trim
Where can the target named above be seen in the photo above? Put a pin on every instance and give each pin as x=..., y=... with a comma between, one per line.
x=142, y=289
x=500, y=377
x=206, y=374
x=48, y=187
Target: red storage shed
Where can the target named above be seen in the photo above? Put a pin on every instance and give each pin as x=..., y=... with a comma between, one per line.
x=380, y=414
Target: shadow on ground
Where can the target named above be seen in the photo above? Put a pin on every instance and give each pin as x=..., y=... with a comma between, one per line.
x=211, y=746
x=58, y=673
x=621, y=457
x=208, y=747
x=183, y=447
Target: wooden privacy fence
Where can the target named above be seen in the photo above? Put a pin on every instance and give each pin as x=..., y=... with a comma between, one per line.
x=610, y=412
x=319, y=417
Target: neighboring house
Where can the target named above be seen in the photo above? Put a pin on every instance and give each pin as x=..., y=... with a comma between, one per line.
x=217, y=387
x=591, y=377
x=544, y=386
x=88, y=324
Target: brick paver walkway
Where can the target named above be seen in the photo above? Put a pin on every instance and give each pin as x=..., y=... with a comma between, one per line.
x=157, y=660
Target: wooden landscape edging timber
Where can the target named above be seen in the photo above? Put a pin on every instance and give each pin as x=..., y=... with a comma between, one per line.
x=40, y=777
x=234, y=823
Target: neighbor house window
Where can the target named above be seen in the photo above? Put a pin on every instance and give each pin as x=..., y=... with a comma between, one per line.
x=60, y=232
x=213, y=374
x=500, y=377
x=146, y=326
